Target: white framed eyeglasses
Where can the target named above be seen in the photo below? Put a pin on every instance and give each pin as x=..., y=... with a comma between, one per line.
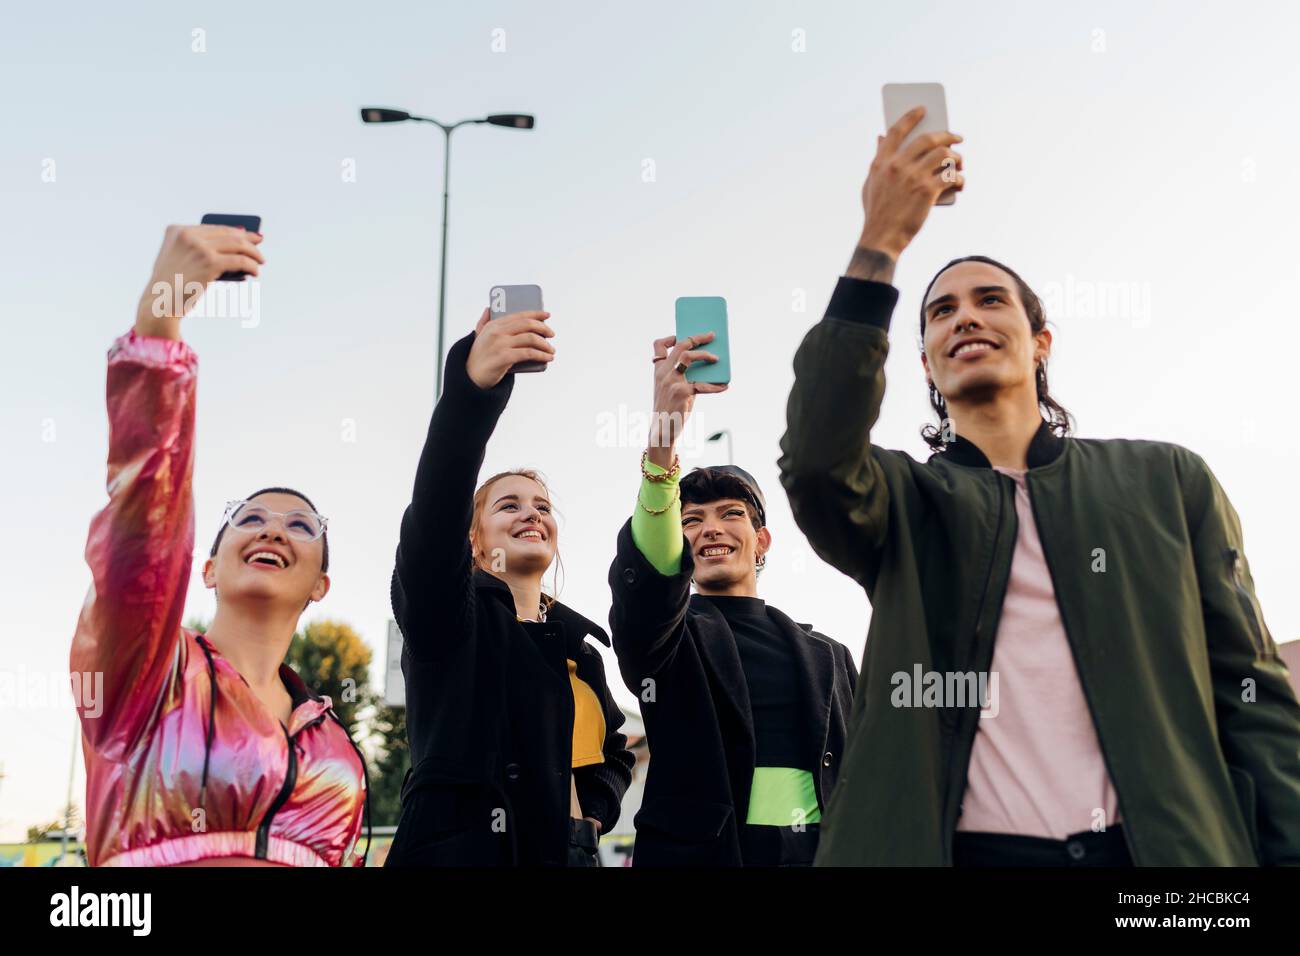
x=252, y=517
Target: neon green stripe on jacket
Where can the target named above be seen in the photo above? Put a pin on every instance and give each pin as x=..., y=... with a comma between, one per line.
x=783, y=797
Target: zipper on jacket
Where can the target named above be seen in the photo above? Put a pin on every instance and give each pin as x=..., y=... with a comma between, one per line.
x=1125, y=819
x=281, y=798
x=962, y=748
x=1243, y=596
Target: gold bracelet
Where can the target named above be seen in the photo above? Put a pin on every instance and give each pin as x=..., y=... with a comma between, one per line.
x=677, y=493
x=670, y=473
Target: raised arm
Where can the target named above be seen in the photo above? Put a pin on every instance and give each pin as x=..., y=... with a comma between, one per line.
x=141, y=544
x=649, y=584
x=836, y=487
x=432, y=577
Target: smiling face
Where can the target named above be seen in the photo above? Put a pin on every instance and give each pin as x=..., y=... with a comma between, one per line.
x=262, y=562
x=725, y=545
x=978, y=339
x=514, y=530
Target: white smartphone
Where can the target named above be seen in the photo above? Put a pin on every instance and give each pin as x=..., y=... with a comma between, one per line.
x=506, y=299
x=901, y=97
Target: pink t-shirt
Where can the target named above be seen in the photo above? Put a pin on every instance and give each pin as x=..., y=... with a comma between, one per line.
x=1036, y=768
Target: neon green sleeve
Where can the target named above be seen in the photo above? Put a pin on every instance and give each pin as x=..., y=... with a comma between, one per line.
x=659, y=536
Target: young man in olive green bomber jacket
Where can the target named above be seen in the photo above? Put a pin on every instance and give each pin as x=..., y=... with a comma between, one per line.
x=1131, y=705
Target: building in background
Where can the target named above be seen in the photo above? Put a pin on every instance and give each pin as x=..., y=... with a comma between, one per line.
x=616, y=845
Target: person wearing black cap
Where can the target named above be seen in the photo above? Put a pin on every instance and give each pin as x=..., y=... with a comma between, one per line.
x=745, y=711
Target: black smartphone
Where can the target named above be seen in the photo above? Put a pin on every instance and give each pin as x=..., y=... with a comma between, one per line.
x=247, y=223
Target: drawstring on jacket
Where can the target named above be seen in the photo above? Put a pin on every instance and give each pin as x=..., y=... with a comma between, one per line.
x=212, y=719
x=365, y=772
x=212, y=723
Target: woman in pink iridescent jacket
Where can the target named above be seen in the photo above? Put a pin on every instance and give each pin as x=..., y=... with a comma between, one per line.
x=201, y=749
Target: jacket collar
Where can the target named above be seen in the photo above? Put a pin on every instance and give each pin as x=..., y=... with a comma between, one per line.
x=298, y=688
x=574, y=623
x=307, y=704
x=1045, y=447
x=721, y=657
x=814, y=661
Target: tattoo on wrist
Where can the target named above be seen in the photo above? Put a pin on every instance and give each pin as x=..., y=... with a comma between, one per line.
x=871, y=264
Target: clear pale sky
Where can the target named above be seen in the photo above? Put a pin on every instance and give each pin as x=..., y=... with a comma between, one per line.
x=1136, y=157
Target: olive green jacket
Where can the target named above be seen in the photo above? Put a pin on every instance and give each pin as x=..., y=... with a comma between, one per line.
x=1197, y=720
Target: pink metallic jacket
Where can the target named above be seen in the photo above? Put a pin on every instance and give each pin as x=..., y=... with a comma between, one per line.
x=183, y=762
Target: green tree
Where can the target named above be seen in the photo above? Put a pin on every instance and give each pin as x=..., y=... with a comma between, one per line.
x=71, y=819
x=390, y=761
x=333, y=660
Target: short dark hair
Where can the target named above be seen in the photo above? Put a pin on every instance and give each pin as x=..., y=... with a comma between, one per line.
x=707, y=484
x=1058, y=419
x=325, y=538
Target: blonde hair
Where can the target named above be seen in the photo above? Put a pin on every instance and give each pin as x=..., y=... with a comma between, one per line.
x=476, y=522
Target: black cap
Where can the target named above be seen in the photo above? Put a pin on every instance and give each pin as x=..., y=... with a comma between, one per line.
x=755, y=494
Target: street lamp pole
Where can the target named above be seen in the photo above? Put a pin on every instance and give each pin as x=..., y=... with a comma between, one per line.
x=442, y=271
x=67, y=806
x=376, y=114
x=725, y=433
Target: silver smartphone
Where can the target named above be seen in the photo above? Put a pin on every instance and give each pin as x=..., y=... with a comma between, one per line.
x=508, y=299
x=899, y=98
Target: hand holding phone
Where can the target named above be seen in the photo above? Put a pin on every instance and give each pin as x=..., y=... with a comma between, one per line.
x=899, y=100
x=674, y=396
x=197, y=255
x=695, y=361
x=905, y=182
x=503, y=343
x=698, y=316
x=251, y=224
x=506, y=300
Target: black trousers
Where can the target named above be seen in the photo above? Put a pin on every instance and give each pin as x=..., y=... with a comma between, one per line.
x=583, y=840
x=1005, y=849
x=778, y=846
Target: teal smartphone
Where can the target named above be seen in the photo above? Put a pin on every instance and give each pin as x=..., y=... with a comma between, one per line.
x=697, y=315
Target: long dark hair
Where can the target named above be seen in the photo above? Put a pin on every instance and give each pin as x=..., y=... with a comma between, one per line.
x=1058, y=419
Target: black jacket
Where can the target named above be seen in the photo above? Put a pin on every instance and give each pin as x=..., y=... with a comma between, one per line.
x=489, y=709
x=678, y=655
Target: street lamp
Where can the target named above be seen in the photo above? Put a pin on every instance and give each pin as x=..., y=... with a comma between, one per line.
x=380, y=114
x=725, y=433
x=67, y=807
